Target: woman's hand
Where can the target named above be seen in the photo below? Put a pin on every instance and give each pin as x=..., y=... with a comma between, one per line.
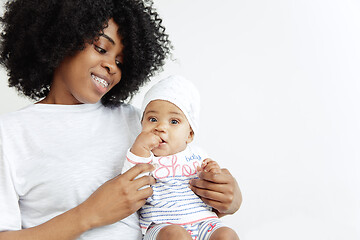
x=219, y=190
x=118, y=198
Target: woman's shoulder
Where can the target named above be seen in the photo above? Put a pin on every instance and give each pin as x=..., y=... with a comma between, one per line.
x=128, y=111
x=129, y=108
x=10, y=116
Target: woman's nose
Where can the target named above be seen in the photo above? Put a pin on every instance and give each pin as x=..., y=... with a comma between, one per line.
x=110, y=66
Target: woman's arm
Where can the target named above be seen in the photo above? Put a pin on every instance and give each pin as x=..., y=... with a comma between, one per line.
x=68, y=225
x=114, y=200
x=218, y=190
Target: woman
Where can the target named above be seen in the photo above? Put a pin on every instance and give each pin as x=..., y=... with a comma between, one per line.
x=60, y=158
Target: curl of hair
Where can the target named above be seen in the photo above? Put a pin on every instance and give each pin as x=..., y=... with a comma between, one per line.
x=37, y=35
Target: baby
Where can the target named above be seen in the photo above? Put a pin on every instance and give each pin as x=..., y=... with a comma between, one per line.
x=169, y=123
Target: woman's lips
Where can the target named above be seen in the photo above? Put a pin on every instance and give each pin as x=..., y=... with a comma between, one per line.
x=102, y=83
x=101, y=80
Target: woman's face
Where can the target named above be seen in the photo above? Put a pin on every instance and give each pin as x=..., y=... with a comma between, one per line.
x=86, y=76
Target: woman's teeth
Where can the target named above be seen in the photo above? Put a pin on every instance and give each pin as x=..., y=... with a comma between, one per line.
x=101, y=81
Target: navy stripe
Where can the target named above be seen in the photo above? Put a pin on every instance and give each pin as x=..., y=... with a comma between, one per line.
x=163, y=216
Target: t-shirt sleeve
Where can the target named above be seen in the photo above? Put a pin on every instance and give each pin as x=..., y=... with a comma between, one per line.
x=132, y=160
x=10, y=217
x=133, y=120
x=138, y=117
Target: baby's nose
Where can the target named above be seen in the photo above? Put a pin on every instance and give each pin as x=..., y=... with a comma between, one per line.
x=161, y=127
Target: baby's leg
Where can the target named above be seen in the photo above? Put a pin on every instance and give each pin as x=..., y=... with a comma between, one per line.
x=167, y=232
x=214, y=229
x=224, y=233
x=173, y=232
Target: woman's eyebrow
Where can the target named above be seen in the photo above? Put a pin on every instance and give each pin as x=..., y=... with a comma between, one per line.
x=108, y=38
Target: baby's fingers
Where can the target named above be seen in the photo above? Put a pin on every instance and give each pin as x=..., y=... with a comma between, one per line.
x=211, y=166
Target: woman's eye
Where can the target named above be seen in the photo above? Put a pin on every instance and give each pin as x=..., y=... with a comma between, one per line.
x=99, y=49
x=174, y=122
x=119, y=64
x=152, y=119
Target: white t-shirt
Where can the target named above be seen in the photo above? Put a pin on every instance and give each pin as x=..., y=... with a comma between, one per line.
x=53, y=157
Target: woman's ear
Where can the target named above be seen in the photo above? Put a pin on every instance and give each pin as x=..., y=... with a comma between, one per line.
x=190, y=137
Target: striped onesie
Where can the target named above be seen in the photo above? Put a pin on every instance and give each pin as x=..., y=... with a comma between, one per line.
x=173, y=202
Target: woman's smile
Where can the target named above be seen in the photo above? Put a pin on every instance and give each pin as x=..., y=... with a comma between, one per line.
x=102, y=83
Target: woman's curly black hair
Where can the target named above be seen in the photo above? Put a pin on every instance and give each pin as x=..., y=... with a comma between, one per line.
x=37, y=35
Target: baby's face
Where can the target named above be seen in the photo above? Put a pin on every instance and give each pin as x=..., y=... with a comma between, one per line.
x=168, y=122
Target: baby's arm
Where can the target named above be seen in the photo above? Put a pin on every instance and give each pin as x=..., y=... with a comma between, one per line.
x=144, y=143
x=209, y=165
x=140, y=152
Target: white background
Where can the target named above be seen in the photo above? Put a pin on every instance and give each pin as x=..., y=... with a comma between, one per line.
x=280, y=88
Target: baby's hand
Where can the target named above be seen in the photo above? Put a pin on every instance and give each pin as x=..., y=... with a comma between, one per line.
x=144, y=143
x=209, y=165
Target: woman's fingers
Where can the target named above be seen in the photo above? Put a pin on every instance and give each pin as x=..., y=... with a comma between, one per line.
x=135, y=171
x=223, y=177
x=207, y=194
x=207, y=185
x=144, y=193
x=143, y=181
x=140, y=181
x=139, y=176
x=218, y=200
x=119, y=197
x=219, y=190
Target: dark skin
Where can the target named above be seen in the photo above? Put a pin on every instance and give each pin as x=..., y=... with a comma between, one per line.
x=219, y=190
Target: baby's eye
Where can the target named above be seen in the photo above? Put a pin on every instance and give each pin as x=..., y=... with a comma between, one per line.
x=174, y=122
x=152, y=119
x=99, y=49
